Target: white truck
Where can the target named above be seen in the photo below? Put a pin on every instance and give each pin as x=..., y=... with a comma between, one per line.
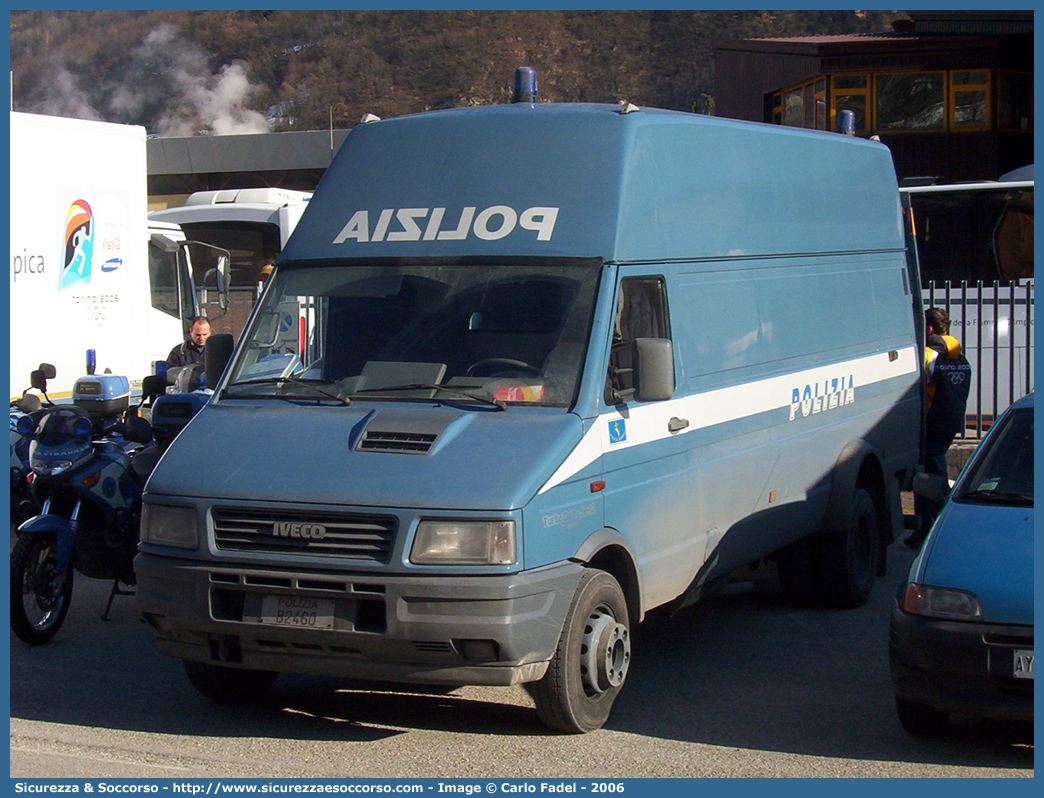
x=253, y=224
x=87, y=271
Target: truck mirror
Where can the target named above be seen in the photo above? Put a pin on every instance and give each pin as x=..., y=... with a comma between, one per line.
x=653, y=363
x=164, y=243
x=216, y=354
x=221, y=281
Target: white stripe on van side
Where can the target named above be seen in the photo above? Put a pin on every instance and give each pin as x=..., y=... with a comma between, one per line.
x=819, y=390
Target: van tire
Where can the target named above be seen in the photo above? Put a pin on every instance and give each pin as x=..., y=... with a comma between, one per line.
x=590, y=663
x=849, y=556
x=797, y=573
x=224, y=685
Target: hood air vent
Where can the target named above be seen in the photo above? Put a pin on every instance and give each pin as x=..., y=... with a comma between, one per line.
x=405, y=431
x=410, y=443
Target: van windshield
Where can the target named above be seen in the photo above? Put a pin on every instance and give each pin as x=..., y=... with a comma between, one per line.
x=510, y=333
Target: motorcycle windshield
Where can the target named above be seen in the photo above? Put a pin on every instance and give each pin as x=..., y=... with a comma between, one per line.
x=56, y=436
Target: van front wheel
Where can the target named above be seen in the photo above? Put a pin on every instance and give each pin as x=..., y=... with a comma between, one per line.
x=224, y=685
x=589, y=666
x=850, y=555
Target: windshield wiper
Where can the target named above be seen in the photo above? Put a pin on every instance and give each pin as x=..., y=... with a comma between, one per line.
x=424, y=386
x=295, y=381
x=999, y=496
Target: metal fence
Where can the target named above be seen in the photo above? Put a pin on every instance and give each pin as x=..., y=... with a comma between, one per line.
x=994, y=323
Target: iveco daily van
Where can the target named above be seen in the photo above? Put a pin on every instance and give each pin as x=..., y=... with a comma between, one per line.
x=523, y=374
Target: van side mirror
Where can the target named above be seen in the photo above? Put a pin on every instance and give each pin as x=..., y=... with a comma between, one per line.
x=933, y=487
x=653, y=363
x=216, y=354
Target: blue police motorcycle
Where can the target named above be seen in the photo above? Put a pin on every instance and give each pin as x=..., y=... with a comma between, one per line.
x=89, y=494
x=28, y=404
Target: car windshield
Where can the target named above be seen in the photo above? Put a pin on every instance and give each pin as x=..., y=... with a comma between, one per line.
x=1003, y=472
x=490, y=334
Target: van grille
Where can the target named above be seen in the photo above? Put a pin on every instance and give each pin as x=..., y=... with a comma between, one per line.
x=404, y=442
x=356, y=537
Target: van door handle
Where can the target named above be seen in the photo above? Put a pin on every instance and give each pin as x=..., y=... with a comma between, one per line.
x=677, y=424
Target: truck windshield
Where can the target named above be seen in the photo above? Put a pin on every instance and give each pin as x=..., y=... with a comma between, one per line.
x=511, y=333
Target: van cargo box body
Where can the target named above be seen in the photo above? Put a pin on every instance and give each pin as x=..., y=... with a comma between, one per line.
x=527, y=364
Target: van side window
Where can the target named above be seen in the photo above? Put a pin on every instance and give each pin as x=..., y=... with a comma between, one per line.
x=641, y=312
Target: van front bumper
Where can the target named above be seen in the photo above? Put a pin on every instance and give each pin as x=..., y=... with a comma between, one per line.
x=452, y=630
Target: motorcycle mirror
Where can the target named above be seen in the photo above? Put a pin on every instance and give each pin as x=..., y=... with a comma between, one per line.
x=38, y=380
x=48, y=370
x=152, y=386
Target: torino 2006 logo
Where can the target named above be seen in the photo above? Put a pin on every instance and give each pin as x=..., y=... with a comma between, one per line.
x=95, y=314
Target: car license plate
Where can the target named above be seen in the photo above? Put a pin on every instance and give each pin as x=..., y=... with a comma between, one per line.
x=1023, y=663
x=298, y=611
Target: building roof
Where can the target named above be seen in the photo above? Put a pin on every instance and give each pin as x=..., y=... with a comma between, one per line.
x=243, y=153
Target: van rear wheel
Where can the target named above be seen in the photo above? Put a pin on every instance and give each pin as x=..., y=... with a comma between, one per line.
x=850, y=555
x=590, y=664
x=224, y=685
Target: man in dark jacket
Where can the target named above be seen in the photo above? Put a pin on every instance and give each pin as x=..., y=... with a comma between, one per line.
x=190, y=351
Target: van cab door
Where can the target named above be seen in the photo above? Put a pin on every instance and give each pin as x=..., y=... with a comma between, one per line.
x=649, y=485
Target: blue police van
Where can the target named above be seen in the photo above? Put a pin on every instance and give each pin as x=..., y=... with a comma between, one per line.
x=525, y=373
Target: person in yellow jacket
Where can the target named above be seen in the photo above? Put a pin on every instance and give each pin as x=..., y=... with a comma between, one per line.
x=948, y=376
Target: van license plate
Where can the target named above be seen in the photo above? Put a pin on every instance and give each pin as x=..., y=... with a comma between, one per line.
x=299, y=611
x=1023, y=663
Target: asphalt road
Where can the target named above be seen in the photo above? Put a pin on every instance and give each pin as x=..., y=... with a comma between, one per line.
x=740, y=685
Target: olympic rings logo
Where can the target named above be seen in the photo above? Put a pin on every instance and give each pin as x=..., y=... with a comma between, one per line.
x=95, y=314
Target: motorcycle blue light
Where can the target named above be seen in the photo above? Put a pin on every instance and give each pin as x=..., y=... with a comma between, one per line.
x=92, y=361
x=82, y=427
x=26, y=425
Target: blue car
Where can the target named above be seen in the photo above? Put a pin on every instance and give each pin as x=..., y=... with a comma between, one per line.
x=961, y=636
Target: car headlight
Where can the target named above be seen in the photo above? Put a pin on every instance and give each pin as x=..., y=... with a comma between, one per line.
x=162, y=525
x=464, y=543
x=941, y=602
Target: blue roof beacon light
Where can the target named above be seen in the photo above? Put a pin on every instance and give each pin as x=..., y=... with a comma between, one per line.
x=525, y=85
x=92, y=361
x=846, y=122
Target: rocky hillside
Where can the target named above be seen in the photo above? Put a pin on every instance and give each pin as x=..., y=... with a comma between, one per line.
x=215, y=72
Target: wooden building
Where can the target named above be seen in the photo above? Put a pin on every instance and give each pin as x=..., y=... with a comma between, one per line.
x=951, y=93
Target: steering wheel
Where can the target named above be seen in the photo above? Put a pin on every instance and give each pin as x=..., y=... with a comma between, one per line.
x=511, y=365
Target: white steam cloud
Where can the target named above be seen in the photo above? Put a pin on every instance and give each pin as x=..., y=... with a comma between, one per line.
x=171, y=89
x=64, y=98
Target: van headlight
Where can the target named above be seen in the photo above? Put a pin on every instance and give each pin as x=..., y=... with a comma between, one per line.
x=162, y=525
x=464, y=543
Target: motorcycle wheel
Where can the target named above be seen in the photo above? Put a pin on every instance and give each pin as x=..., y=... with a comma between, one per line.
x=40, y=596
